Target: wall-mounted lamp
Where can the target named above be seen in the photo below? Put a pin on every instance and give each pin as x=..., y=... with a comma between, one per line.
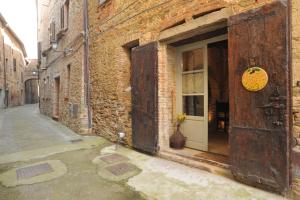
x=66, y=50
x=54, y=46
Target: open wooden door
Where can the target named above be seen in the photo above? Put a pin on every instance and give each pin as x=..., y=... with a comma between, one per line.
x=259, y=122
x=144, y=83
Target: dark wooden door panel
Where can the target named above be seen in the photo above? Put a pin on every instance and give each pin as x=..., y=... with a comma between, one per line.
x=144, y=98
x=259, y=123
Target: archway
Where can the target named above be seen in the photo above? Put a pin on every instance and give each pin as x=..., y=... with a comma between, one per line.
x=31, y=91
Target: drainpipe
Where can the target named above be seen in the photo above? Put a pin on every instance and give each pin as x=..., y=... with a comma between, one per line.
x=86, y=62
x=4, y=71
x=290, y=90
x=37, y=38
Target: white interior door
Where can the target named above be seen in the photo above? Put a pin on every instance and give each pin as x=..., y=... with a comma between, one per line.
x=192, y=92
x=192, y=95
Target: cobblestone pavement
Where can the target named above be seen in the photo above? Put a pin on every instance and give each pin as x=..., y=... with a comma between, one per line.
x=23, y=128
x=38, y=160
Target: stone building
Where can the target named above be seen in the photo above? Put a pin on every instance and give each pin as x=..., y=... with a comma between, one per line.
x=12, y=64
x=152, y=60
x=62, y=58
x=31, y=82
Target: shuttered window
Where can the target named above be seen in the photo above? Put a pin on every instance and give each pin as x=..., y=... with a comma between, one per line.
x=62, y=21
x=39, y=52
x=64, y=15
x=15, y=64
x=52, y=32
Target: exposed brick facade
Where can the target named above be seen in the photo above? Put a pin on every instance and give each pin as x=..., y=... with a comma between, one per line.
x=116, y=24
x=296, y=64
x=296, y=94
x=12, y=64
x=64, y=64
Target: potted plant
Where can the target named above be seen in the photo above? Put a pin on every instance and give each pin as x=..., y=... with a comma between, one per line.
x=177, y=139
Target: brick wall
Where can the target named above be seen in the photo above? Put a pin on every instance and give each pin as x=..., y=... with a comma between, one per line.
x=296, y=65
x=296, y=95
x=14, y=80
x=1, y=69
x=72, y=107
x=117, y=23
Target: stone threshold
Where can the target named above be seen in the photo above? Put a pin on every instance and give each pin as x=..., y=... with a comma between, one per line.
x=210, y=166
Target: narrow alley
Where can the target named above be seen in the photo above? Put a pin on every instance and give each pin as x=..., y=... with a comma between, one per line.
x=42, y=159
x=150, y=99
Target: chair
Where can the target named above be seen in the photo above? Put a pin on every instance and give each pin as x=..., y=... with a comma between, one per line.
x=222, y=116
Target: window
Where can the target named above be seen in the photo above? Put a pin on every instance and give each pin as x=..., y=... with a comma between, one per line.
x=192, y=82
x=64, y=15
x=52, y=32
x=15, y=64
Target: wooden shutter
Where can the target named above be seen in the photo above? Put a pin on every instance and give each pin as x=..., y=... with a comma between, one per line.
x=52, y=32
x=259, y=122
x=15, y=64
x=39, y=48
x=66, y=14
x=144, y=98
x=62, y=15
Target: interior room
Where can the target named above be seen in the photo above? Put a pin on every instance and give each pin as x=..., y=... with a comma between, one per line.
x=218, y=97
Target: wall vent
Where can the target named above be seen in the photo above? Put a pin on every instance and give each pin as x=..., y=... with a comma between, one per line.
x=73, y=110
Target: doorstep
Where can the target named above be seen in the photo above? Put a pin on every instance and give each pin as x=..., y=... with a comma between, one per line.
x=211, y=166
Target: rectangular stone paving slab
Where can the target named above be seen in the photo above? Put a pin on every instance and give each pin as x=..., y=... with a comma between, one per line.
x=114, y=158
x=32, y=171
x=121, y=168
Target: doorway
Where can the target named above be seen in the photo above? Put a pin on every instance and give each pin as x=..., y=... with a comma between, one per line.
x=7, y=102
x=218, y=97
x=56, y=98
x=31, y=91
x=202, y=94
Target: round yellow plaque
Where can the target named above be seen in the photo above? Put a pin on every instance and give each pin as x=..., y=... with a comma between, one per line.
x=255, y=79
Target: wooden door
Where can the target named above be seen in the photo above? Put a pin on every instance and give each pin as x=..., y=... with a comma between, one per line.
x=259, y=122
x=192, y=91
x=192, y=94
x=144, y=83
x=57, y=97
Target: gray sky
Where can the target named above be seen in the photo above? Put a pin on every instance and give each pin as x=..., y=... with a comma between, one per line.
x=21, y=17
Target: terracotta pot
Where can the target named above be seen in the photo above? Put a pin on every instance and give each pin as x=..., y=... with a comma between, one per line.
x=177, y=140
